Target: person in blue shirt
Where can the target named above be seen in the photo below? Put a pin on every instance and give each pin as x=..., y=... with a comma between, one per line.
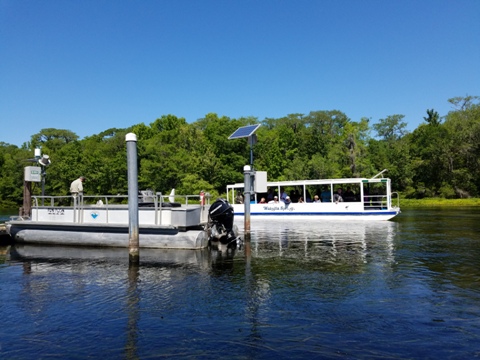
x=326, y=195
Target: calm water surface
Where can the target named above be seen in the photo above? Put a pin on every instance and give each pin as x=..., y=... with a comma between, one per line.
x=403, y=289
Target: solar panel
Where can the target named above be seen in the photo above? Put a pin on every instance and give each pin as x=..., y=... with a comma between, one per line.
x=244, y=131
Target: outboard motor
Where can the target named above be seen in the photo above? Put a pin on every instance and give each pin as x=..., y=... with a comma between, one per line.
x=220, y=222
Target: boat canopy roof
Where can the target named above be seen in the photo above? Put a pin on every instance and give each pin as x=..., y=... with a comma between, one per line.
x=317, y=182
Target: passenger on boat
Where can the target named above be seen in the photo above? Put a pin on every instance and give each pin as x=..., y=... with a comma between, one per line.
x=300, y=199
x=270, y=195
x=294, y=195
x=263, y=201
x=337, y=197
x=283, y=194
x=326, y=195
x=316, y=199
x=239, y=198
x=287, y=200
x=274, y=201
x=349, y=195
x=308, y=198
x=76, y=187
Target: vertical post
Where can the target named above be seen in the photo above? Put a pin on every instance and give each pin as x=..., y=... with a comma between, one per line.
x=27, y=199
x=247, y=191
x=133, y=232
x=252, y=139
x=44, y=173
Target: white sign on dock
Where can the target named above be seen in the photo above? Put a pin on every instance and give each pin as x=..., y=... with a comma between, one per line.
x=33, y=173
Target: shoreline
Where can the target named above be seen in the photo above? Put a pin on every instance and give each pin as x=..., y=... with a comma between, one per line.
x=439, y=202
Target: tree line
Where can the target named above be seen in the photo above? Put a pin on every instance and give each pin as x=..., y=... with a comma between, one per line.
x=440, y=158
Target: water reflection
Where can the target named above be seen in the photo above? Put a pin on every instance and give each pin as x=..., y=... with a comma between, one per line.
x=4, y=254
x=72, y=254
x=443, y=245
x=222, y=256
x=324, y=241
x=133, y=310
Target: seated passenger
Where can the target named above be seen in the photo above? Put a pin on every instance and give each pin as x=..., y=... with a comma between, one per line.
x=300, y=199
x=308, y=198
x=274, y=201
x=337, y=197
x=349, y=195
x=316, y=199
x=296, y=195
x=239, y=198
x=263, y=201
x=270, y=195
x=287, y=200
x=326, y=195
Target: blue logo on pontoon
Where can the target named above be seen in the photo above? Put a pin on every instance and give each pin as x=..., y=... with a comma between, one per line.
x=94, y=215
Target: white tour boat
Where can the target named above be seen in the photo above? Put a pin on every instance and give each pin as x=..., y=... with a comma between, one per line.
x=357, y=199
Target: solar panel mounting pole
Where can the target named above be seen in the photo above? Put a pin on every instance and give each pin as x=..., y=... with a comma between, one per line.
x=252, y=139
x=247, y=171
x=248, y=132
x=242, y=132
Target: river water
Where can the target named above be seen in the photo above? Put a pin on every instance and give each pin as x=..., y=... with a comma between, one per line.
x=402, y=289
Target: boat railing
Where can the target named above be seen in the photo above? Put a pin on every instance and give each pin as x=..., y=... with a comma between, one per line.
x=381, y=202
x=156, y=201
x=396, y=196
x=100, y=200
x=376, y=202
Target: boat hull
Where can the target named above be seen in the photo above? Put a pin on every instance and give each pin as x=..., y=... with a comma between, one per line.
x=105, y=235
x=321, y=217
x=330, y=212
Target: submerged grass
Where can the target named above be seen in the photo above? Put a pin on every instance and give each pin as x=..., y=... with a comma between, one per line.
x=439, y=202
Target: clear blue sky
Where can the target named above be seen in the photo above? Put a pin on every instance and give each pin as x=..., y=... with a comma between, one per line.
x=91, y=65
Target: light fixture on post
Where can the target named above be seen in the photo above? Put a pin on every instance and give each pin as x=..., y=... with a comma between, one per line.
x=44, y=160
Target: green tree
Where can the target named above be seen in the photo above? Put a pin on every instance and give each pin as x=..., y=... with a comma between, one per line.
x=433, y=118
x=463, y=153
x=230, y=155
x=430, y=154
x=391, y=128
x=12, y=164
x=52, y=139
x=392, y=150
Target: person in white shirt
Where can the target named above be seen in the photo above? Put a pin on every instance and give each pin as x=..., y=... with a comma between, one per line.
x=76, y=187
x=274, y=201
x=337, y=197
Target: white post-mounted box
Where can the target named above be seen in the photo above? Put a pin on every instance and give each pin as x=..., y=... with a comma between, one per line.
x=33, y=173
x=260, y=184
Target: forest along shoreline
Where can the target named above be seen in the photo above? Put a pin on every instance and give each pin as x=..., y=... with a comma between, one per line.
x=427, y=162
